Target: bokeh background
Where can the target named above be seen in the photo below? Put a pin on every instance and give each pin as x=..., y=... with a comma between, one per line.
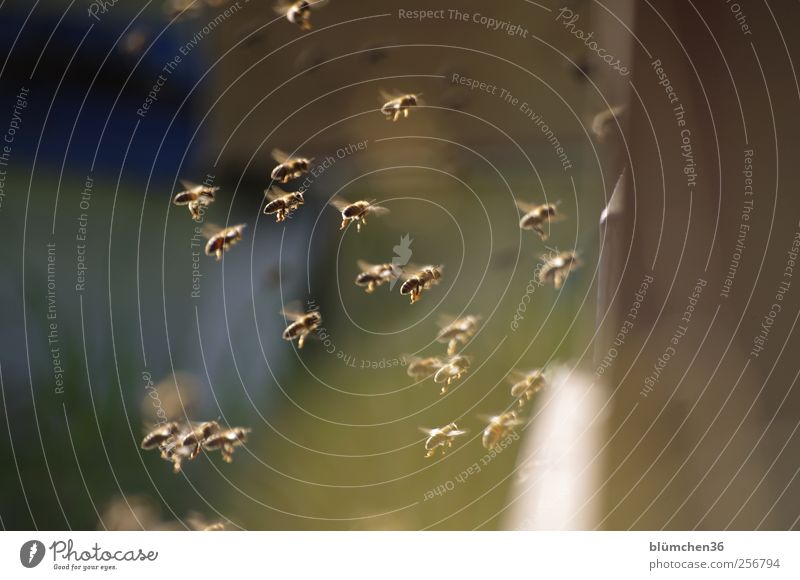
x=335, y=441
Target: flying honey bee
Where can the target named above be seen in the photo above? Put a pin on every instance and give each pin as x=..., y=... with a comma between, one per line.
x=160, y=435
x=357, y=211
x=557, y=268
x=220, y=241
x=397, y=105
x=194, y=438
x=499, y=427
x=196, y=197
x=452, y=370
x=172, y=450
x=227, y=441
x=281, y=203
x=288, y=168
x=303, y=324
x=420, y=280
x=299, y=13
x=374, y=275
x=536, y=217
x=179, y=9
x=422, y=368
x=605, y=122
x=525, y=385
x=457, y=332
x=441, y=438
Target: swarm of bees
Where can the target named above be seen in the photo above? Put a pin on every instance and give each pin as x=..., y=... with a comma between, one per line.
x=302, y=326
x=195, y=197
x=179, y=442
x=397, y=105
x=357, y=211
x=299, y=13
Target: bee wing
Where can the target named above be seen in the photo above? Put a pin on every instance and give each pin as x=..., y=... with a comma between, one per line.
x=280, y=156
x=426, y=431
x=187, y=185
x=292, y=311
x=387, y=96
x=517, y=375
x=339, y=203
x=282, y=8
x=274, y=192
x=444, y=320
x=524, y=206
x=364, y=266
x=458, y=432
x=317, y=3
x=408, y=271
x=378, y=209
x=209, y=230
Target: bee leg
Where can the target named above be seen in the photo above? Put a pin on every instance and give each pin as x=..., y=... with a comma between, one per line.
x=370, y=287
x=405, y=113
x=358, y=226
x=345, y=221
x=558, y=279
x=396, y=115
x=301, y=341
x=227, y=453
x=219, y=254
x=542, y=233
x=451, y=348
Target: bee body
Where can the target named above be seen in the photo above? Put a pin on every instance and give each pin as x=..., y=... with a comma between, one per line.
x=372, y=276
x=422, y=368
x=537, y=217
x=223, y=240
x=357, y=211
x=441, y=438
x=458, y=332
x=396, y=107
x=226, y=441
x=283, y=205
x=421, y=281
x=452, y=370
x=159, y=435
x=557, y=268
x=525, y=389
x=302, y=327
x=196, y=197
x=498, y=428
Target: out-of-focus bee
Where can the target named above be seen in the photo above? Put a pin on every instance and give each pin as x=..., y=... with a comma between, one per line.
x=397, y=105
x=422, y=368
x=303, y=324
x=537, y=217
x=420, y=280
x=525, y=385
x=457, y=331
x=220, y=241
x=452, y=370
x=605, y=122
x=557, y=268
x=441, y=437
x=133, y=42
x=160, y=435
x=226, y=441
x=200, y=524
x=299, y=13
x=282, y=203
x=288, y=168
x=499, y=427
x=357, y=211
x=173, y=451
x=196, y=197
x=194, y=438
x=373, y=275
x=182, y=8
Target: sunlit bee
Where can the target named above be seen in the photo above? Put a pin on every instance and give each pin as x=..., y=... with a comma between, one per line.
x=606, y=121
x=441, y=439
x=226, y=441
x=538, y=217
x=557, y=268
x=288, y=168
x=302, y=326
x=201, y=524
x=281, y=203
x=525, y=385
x=299, y=13
x=457, y=332
x=173, y=451
x=196, y=197
x=422, y=368
x=223, y=240
x=193, y=440
x=357, y=211
x=395, y=106
x=374, y=275
x=452, y=370
x=420, y=280
x=499, y=427
x=160, y=435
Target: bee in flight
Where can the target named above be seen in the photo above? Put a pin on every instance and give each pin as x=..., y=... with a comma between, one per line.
x=557, y=268
x=525, y=385
x=288, y=168
x=196, y=197
x=395, y=106
x=421, y=368
x=303, y=324
x=420, y=280
x=281, y=203
x=160, y=435
x=220, y=241
x=197, y=434
x=606, y=121
x=452, y=370
x=456, y=332
x=226, y=440
x=499, y=427
x=538, y=217
x=299, y=13
x=357, y=211
x=441, y=438
x=374, y=275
